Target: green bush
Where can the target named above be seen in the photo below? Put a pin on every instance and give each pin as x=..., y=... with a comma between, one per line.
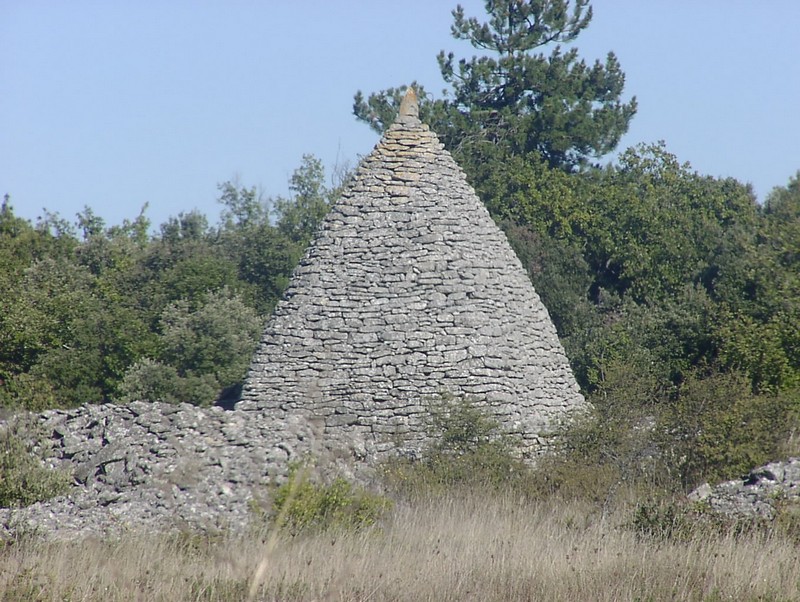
x=471, y=451
x=206, y=350
x=661, y=520
x=24, y=480
x=150, y=380
x=28, y=392
x=644, y=437
x=300, y=505
x=670, y=519
x=610, y=451
x=787, y=520
x=716, y=428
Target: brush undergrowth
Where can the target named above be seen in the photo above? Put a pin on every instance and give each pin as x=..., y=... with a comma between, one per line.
x=301, y=505
x=470, y=452
x=469, y=520
x=24, y=479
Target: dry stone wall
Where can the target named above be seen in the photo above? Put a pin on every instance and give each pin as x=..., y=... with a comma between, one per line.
x=156, y=467
x=757, y=495
x=410, y=291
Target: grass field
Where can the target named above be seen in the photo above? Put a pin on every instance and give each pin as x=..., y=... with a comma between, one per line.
x=458, y=547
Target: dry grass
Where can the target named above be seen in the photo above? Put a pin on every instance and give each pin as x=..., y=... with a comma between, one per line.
x=467, y=548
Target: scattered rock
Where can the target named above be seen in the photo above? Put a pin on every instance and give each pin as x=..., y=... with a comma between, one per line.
x=755, y=495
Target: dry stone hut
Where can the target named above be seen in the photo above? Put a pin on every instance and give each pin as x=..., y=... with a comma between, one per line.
x=410, y=291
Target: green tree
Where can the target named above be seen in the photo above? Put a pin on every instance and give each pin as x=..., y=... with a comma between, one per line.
x=560, y=275
x=185, y=261
x=756, y=281
x=300, y=216
x=654, y=224
x=517, y=100
x=204, y=350
x=218, y=338
x=264, y=254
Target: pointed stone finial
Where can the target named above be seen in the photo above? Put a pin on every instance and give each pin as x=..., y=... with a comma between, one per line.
x=409, y=107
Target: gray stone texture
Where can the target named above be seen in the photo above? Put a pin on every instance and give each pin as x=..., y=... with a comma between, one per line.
x=757, y=495
x=155, y=467
x=410, y=291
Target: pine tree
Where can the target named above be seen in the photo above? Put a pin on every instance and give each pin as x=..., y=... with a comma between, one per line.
x=516, y=99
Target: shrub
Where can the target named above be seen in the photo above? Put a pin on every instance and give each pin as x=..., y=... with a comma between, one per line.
x=470, y=451
x=668, y=519
x=661, y=520
x=610, y=450
x=641, y=436
x=787, y=520
x=150, y=380
x=300, y=505
x=24, y=480
x=28, y=392
x=206, y=350
x=717, y=428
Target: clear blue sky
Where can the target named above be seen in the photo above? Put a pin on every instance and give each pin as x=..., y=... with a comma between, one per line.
x=113, y=104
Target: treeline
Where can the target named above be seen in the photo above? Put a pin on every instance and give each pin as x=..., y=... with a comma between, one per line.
x=676, y=295
x=91, y=313
x=677, y=298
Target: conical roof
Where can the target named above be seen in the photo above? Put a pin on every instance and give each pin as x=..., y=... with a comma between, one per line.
x=408, y=292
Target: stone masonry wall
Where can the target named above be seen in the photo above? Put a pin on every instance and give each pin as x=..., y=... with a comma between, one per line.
x=156, y=467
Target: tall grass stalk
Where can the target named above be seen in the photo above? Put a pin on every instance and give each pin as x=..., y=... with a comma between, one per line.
x=295, y=482
x=465, y=547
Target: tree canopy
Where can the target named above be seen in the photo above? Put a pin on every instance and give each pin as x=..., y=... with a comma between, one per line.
x=516, y=99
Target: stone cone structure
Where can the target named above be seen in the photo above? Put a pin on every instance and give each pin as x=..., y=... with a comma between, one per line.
x=410, y=291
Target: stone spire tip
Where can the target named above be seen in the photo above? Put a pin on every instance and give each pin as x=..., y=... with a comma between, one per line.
x=409, y=107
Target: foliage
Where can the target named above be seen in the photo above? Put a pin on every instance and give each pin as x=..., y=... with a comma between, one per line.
x=612, y=448
x=560, y=275
x=658, y=223
x=300, y=505
x=649, y=258
x=661, y=520
x=217, y=338
x=149, y=379
x=470, y=451
x=718, y=428
x=642, y=436
x=300, y=216
x=516, y=101
x=266, y=253
x=203, y=351
x=93, y=313
x=24, y=480
x=758, y=290
x=678, y=521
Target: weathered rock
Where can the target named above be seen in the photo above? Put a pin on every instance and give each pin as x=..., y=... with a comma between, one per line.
x=153, y=466
x=756, y=495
